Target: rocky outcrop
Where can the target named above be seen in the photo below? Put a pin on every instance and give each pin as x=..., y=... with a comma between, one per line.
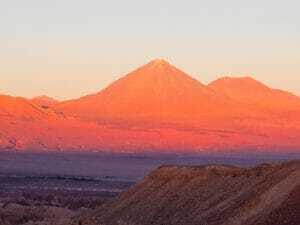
x=211, y=195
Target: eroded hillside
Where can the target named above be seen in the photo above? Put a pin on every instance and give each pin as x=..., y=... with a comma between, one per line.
x=210, y=195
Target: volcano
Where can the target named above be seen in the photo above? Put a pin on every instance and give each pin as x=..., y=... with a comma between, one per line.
x=156, y=91
x=157, y=108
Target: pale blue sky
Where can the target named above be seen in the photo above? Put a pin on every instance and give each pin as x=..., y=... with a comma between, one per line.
x=68, y=48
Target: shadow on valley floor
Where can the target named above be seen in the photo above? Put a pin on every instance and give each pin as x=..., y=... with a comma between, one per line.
x=126, y=167
x=74, y=188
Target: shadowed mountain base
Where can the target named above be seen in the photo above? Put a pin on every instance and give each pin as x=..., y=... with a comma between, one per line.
x=208, y=195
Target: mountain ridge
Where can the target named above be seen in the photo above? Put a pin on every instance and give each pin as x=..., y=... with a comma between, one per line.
x=157, y=90
x=251, y=91
x=159, y=108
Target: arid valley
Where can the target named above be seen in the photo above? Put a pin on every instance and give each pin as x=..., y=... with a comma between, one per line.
x=140, y=112
x=154, y=147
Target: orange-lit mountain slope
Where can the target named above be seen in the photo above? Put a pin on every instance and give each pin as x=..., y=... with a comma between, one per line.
x=158, y=108
x=157, y=91
x=44, y=101
x=248, y=91
x=26, y=127
x=267, y=111
x=17, y=107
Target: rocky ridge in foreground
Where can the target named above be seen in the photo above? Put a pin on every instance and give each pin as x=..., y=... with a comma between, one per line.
x=268, y=194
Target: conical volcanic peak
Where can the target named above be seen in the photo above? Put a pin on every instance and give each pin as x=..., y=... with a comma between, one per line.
x=159, y=62
x=160, y=67
x=156, y=90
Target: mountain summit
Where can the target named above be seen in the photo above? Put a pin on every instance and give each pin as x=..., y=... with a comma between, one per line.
x=157, y=90
x=159, y=62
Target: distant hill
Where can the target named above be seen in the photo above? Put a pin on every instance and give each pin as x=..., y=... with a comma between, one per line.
x=268, y=194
